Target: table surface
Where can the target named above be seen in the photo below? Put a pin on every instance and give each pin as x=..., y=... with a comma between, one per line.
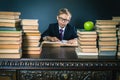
x=64, y=53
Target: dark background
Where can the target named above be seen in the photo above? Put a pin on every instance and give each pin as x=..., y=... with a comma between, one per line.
x=46, y=10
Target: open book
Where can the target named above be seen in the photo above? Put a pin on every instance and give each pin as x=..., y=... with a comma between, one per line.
x=58, y=44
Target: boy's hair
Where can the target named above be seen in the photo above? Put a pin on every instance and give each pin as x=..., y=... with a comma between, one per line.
x=64, y=11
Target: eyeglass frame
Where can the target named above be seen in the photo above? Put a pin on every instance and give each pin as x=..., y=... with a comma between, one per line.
x=62, y=19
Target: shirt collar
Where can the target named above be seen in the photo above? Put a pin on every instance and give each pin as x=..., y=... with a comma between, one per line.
x=61, y=28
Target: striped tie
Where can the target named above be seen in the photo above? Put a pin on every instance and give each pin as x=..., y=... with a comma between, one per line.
x=61, y=34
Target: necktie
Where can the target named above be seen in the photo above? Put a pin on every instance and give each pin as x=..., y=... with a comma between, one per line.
x=61, y=34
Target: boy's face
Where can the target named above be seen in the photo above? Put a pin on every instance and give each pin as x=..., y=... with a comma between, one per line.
x=63, y=20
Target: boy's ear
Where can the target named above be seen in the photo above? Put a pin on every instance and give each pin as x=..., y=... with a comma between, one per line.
x=57, y=17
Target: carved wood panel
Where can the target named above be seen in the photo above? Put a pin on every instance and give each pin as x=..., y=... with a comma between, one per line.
x=64, y=75
x=7, y=75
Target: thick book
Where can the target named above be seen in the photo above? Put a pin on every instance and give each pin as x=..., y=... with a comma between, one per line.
x=3, y=16
x=82, y=31
x=30, y=27
x=9, y=13
x=32, y=34
x=87, y=46
x=9, y=20
x=18, y=28
x=32, y=51
x=87, y=55
x=30, y=31
x=106, y=31
x=107, y=53
x=88, y=50
x=110, y=26
x=12, y=55
x=107, y=43
x=35, y=44
x=86, y=39
x=9, y=51
x=108, y=48
x=31, y=48
x=12, y=46
x=116, y=18
x=30, y=40
x=10, y=42
x=32, y=37
x=10, y=38
x=29, y=22
x=108, y=39
x=10, y=33
x=107, y=35
x=87, y=43
x=110, y=22
x=87, y=36
x=9, y=24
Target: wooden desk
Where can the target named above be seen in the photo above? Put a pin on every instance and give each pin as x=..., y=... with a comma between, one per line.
x=60, y=63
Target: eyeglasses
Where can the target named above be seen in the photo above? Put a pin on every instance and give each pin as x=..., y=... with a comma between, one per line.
x=64, y=20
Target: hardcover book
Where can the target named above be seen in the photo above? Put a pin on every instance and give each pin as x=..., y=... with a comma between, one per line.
x=29, y=22
x=11, y=55
x=86, y=55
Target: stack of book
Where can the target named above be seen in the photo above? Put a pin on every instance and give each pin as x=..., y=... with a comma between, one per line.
x=10, y=35
x=9, y=20
x=118, y=33
x=116, y=18
x=87, y=44
x=31, y=36
x=107, y=41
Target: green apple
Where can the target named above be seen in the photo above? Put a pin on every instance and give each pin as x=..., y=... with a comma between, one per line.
x=88, y=25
